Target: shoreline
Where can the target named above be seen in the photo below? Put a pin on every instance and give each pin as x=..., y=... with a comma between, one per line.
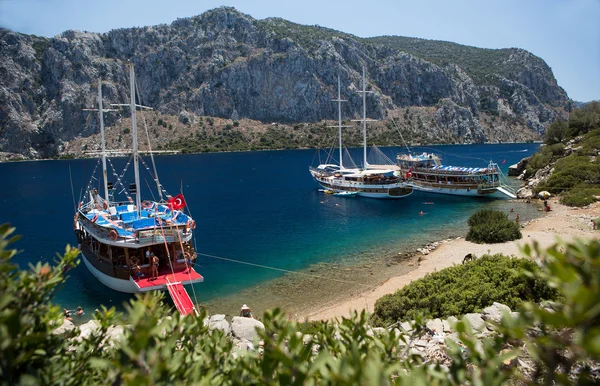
x=562, y=222
x=5, y=157
x=331, y=282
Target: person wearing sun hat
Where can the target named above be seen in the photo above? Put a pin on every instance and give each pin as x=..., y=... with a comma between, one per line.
x=246, y=312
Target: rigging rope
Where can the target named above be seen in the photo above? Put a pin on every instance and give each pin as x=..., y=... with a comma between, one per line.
x=89, y=185
x=150, y=189
x=453, y=155
x=377, y=155
x=401, y=136
x=158, y=186
x=169, y=254
x=120, y=177
x=150, y=172
x=181, y=244
x=72, y=191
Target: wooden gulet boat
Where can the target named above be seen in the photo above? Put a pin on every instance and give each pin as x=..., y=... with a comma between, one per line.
x=426, y=173
x=121, y=240
x=366, y=182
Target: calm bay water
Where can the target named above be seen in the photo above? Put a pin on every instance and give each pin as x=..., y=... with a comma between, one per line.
x=257, y=207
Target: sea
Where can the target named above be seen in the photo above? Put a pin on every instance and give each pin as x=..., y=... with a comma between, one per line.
x=265, y=233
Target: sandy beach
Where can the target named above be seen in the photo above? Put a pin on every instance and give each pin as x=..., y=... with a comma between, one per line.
x=561, y=222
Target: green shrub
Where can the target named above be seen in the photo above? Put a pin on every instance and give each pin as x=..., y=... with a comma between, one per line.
x=538, y=161
x=585, y=119
x=557, y=149
x=556, y=132
x=544, y=157
x=492, y=226
x=579, y=197
x=576, y=177
x=463, y=289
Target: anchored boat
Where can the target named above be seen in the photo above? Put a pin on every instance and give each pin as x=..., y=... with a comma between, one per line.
x=365, y=181
x=426, y=173
x=130, y=244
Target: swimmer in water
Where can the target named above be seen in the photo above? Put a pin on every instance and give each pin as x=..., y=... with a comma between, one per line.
x=421, y=213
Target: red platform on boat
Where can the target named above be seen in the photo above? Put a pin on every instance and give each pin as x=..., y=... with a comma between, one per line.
x=147, y=283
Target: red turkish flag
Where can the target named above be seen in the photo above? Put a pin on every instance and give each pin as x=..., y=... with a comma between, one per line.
x=177, y=202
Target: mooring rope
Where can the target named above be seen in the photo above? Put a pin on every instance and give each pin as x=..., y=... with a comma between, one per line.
x=284, y=270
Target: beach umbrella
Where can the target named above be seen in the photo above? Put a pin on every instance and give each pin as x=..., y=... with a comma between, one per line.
x=544, y=194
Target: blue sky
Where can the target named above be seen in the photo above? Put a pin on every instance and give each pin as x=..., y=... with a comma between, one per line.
x=565, y=33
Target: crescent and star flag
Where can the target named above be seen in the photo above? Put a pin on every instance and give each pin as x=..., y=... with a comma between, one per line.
x=177, y=202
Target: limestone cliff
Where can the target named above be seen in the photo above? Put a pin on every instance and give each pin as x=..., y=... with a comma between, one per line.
x=227, y=64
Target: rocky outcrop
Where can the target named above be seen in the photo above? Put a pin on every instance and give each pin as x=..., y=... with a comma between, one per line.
x=219, y=322
x=519, y=167
x=245, y=328
x=459, y=121
x=227, y=64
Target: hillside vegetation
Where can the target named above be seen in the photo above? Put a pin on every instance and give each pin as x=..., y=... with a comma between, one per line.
x=474, y=61
x=572, y=150
x=464, y=289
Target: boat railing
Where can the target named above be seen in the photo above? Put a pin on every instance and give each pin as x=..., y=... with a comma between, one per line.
x=431, y=170
x=368, y=181
x=139, y=238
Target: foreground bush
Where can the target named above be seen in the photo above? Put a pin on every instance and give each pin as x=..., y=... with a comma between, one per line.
x=181, y=350
x=492, y=226
x=464, y=289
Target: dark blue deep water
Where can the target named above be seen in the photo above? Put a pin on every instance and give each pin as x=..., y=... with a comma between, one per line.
x=259, y=207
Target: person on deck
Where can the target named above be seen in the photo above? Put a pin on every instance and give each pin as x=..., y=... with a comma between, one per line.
x=246, y=312
x=188, y=263
x=154, y=266
x=149, y=254
x=137, y=271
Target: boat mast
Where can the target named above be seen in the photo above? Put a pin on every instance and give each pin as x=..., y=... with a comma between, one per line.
x=364, y=119
x=136, y=166
x=339, y=100
x=101, y=116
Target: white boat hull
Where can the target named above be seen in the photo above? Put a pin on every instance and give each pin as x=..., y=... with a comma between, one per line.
x=460, y=192
x=371, y=191
x=111, y=282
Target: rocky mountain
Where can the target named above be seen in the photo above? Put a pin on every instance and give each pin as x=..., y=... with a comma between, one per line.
x=229, y=65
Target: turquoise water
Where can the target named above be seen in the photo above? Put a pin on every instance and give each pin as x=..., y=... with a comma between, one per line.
x=258, y=207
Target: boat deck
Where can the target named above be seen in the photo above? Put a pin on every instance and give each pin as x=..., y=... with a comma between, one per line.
x=166, y=276
x=124, y=218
